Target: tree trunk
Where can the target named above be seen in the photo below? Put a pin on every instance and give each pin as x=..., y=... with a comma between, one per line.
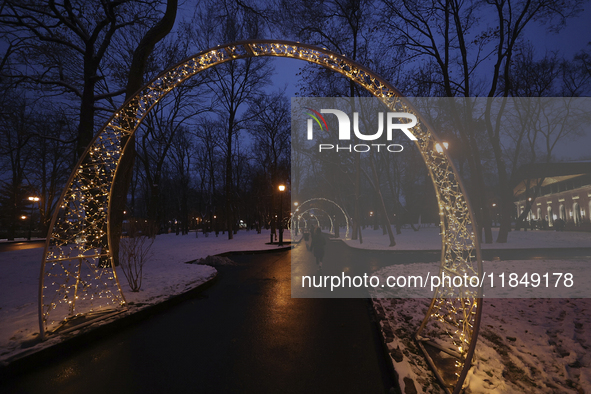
x=229, y=219
x=135, y=81
x=356, y=213
x=504, y=186
x=86, y=125
x=382, y=205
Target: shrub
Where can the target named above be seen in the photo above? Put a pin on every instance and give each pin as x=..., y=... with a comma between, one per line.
x=135, y=251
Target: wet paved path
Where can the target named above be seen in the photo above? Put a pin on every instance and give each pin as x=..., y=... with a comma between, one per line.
x=21, y=245
x=245, y=334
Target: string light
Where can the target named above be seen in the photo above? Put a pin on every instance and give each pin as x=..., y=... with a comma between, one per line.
x=77, y=272
x=332, y=202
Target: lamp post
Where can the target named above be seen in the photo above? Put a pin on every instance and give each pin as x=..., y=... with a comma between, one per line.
x=297, y=224
x=33, y=200
x=495, y=216
x=281, y=190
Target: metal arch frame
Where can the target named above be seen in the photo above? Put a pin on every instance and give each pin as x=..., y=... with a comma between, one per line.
x=329, y=218
x=68, y=240
x=316, y=217
x=311, y=216
x=335, y=204
x=305, y=221
x=292, y=219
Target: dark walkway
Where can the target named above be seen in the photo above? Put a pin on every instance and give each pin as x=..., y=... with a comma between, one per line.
x=245, y=335
x=21, y=245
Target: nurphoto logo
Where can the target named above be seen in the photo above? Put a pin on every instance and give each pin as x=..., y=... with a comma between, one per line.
x=392, y=120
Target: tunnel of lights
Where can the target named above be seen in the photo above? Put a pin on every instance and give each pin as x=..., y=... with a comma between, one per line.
x=326, y=200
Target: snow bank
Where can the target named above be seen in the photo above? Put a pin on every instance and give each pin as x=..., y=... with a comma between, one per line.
x=165, y=275
x=428, y=238
x=526, y=345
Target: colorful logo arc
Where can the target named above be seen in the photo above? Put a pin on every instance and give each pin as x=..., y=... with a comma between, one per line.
x=317, y=115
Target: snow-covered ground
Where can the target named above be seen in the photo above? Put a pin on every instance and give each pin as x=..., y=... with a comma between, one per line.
x=540, y=278
x=428, y=238
x=526, y=345
x=164, y=275
x=4, y=240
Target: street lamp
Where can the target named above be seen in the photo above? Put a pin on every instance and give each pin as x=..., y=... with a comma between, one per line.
x=33, y=200
x=495, y=214
x=297, y=224
x=281, y=190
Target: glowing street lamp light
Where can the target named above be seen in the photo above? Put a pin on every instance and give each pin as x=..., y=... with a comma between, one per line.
x=281, y=190
x=439, y=148
x=32, y=200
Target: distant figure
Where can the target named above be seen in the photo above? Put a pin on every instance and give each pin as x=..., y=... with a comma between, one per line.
x=317, y=247
x=544, y=224
x=306, y=235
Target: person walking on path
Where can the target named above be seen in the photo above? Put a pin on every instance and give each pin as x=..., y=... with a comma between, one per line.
x=317, y=246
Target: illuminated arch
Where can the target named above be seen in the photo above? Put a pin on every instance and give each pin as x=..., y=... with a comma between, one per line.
x=311, y=216
x=329, y=218
x=293, y=217
x=316, y=217
x=77, y=272
x=331, y=202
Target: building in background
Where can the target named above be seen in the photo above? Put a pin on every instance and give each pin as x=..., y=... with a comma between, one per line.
x=559, y=195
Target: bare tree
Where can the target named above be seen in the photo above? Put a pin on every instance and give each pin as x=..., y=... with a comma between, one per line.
x=135, y=251
x=15, y=156
x=64, y=48
x=448, y=34
x=270, y=130
x=52, y=151
x=346, y=27
x=181, y=164
x=156, y=138
x=135, y=80
x=536, y=128
x=233, y=84
x=210, y=164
